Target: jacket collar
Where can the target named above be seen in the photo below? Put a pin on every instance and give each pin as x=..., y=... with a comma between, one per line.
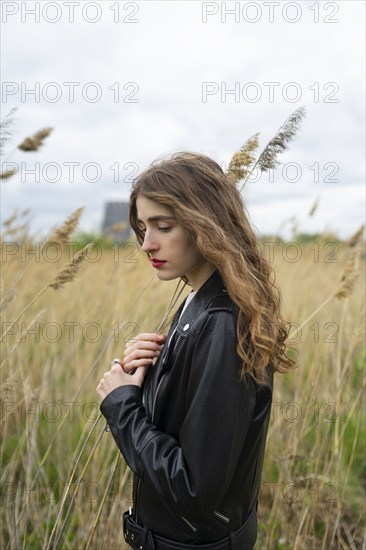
x=212, y=287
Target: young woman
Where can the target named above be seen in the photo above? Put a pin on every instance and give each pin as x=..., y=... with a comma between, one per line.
x=192, y=426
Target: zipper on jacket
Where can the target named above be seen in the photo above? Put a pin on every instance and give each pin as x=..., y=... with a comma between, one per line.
x=152, y=419
x=189, y=524
x=163, y=373
x=156, y=393
x=137, y=498
x=221, y=516
x=143, y=397
x=152, y=416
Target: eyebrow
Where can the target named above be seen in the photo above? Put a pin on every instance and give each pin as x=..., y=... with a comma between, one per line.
x=157, y=218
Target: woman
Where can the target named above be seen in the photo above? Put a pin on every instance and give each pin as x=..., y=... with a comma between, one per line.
x=193, y=426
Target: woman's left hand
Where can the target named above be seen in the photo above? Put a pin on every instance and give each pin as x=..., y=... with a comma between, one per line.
x=116, y=377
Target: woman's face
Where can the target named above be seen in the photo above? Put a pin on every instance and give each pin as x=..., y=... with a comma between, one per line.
x=166, y=240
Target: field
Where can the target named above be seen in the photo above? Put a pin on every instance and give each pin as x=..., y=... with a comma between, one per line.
x=63, y=482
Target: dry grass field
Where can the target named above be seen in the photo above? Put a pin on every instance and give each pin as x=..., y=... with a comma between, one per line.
x=63, y=482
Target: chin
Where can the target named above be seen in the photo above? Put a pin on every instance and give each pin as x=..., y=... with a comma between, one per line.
x=167, y=276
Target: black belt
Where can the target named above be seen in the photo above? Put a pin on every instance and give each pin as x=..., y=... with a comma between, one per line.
x=141, y=538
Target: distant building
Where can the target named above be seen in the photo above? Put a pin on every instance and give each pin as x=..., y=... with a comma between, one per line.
x=115, y=224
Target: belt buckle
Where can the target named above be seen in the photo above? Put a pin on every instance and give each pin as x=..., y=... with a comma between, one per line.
x=135, y=535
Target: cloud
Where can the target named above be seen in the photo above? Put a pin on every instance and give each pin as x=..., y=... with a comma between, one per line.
x=162, y=62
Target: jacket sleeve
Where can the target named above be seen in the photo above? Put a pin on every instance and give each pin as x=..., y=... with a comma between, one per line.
x=193, y=473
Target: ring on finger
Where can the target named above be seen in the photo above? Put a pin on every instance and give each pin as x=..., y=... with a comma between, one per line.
x=114, y=361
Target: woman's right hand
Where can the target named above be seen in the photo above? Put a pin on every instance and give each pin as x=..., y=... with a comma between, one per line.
x=142, y=350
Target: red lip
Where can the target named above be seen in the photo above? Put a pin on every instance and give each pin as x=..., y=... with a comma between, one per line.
x=156, y=260
x=157, y=263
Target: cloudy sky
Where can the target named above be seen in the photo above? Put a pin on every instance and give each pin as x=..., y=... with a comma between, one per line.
x=123, y=83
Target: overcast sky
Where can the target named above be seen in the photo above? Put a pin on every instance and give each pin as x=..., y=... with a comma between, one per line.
x=151, y=78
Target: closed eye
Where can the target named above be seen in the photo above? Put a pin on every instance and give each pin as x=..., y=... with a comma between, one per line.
x=164, y=229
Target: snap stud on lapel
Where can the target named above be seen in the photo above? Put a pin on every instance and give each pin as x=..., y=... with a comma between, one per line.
x=186, y=327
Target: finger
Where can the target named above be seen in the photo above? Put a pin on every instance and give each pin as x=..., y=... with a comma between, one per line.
x=141, y=354
x=116, y=367
x=142, y=347
x=129, y=343
x=100, y=386
x=146, y=358
x=137, y=363
x=139, y=375
x=101, y=392
x=147, y=336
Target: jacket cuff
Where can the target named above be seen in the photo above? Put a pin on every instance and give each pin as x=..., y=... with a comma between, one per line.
x=117, y=397
x=123, y=410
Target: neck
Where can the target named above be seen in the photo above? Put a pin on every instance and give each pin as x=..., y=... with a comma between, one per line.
x=198, y=279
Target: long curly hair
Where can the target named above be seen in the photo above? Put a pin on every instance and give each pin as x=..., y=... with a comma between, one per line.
x=211, y=210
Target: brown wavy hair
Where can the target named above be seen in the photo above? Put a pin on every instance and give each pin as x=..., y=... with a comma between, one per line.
x=211, y=210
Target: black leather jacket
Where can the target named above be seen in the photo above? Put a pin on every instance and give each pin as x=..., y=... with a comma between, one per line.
x=194, y=435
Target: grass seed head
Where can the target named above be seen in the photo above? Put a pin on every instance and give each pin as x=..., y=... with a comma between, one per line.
x=314, y=208
x=8, y=173
x=350, y=275
x=242, y=160
x=61, y=234
x=356, y=237
x=69, y=272
x=33, y=143
x=10, y=296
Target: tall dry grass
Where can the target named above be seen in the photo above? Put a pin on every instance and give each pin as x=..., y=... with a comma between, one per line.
x=64, y=483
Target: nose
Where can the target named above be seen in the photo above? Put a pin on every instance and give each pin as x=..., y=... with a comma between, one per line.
x=149, y=244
